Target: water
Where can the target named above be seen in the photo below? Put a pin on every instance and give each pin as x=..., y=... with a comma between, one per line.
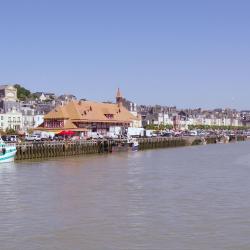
x=195, y=198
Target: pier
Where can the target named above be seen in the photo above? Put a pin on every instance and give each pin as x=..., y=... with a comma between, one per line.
x=50, y=149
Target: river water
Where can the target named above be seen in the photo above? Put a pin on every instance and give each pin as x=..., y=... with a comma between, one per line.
x=195, y=198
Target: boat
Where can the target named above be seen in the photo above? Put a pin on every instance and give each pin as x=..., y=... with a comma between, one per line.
x=131, y=144
x=7, y=151
x=134, y=144
x=203, y=141
x=120, y=146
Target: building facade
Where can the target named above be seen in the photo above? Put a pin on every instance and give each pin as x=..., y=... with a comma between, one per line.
x=8, y=93
x=87, y=116
x=11, y=120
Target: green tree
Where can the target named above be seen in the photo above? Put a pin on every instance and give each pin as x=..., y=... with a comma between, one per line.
x=22, y=93
x=216, y=127
x=158, y=127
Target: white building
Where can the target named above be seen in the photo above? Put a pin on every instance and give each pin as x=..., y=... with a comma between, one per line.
x=11, y=120
x=164, y=118
x=31, y=118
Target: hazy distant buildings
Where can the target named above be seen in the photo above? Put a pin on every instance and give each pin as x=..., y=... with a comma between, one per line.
x=181, y=119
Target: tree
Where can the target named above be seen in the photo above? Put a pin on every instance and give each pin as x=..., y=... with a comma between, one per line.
x=22, y=93
x=158, y=127
x=216, y=127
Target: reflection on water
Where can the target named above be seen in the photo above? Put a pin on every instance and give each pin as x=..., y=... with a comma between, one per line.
x=185, y=198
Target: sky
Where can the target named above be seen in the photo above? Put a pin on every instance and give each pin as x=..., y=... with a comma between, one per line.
x=190, y=54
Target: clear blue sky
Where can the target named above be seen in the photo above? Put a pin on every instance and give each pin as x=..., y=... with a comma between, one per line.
x=184, y=53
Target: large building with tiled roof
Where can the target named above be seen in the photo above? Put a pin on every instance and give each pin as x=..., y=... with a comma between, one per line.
x=89, y=116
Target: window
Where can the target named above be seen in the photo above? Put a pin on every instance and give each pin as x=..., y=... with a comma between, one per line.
x=109, y=116
x=54, y=124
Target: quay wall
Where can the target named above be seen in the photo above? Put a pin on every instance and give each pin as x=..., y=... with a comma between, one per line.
x=151, y=143
x=43, y=150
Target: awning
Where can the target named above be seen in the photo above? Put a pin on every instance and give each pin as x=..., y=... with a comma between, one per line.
x=67, y=132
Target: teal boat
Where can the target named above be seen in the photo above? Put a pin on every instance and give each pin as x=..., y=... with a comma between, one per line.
x=7, y=151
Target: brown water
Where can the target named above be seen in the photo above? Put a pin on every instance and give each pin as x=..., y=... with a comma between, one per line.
x=195, y=198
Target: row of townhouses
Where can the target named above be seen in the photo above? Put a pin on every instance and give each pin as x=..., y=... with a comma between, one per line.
x=181, y=119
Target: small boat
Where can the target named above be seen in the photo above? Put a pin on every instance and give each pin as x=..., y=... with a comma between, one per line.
x=134, y=144
x=7, y=151
x=203, y=141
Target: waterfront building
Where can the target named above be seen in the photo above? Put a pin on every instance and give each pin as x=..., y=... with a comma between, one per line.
x=28, y=113
x=31, y=116
x=88, y=116
x=11, y=120
x=157, y=119
x=151, y=119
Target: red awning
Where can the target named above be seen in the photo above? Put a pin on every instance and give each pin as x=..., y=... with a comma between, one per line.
x=66, y=132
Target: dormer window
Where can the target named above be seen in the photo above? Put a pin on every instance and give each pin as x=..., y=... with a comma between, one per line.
x=109, y=116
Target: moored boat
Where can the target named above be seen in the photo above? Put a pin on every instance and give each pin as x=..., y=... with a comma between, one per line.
x=7, y=152
x=134, y=144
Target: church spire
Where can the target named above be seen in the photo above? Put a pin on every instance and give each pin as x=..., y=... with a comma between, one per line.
x=119, y=97
x=118, y=93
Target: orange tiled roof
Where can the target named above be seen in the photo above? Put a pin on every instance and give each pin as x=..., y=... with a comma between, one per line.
x=89, y=111
x=59, y=112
